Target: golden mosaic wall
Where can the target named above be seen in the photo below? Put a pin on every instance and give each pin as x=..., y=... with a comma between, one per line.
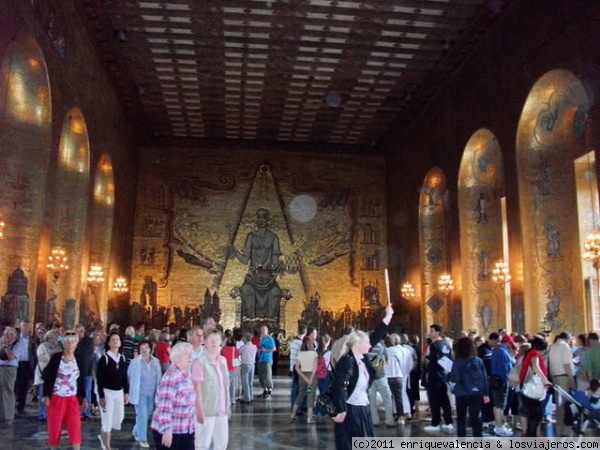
x=24, y=152
x=552, y=134
x=480, y=188
x=433, y=246
x=194, y=206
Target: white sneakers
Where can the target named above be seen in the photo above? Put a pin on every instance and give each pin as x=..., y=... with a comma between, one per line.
x=503, y=431
x=448, y=428
x=102, y=446
x=144, y=444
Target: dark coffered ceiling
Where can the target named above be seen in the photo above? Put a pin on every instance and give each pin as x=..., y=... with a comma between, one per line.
x=336, y=72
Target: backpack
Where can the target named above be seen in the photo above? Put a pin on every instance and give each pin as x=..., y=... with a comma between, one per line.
x=474, y=379
x=321, y=371
x=378, y=363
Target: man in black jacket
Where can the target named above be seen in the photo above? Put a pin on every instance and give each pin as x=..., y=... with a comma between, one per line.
x=84, y=354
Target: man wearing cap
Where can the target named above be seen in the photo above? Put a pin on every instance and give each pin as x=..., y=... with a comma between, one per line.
x=502, y=364
x=560, y=371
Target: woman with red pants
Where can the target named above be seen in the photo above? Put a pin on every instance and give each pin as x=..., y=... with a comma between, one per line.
x=63, y=391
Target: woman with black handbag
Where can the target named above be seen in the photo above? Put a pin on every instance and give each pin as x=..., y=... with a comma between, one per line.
x=351, y=380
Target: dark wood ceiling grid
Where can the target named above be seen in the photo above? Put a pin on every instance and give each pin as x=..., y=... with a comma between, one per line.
x=337, y=72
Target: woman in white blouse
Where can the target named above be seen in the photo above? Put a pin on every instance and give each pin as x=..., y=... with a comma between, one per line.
x=306, y=366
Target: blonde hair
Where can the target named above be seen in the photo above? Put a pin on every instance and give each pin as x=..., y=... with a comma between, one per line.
x=354, y=338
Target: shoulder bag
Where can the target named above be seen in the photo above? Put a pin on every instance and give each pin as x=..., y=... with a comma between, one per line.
x=533, y=387
x=325, y=401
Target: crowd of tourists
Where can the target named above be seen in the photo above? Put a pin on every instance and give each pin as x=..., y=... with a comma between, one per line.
x=183, y=386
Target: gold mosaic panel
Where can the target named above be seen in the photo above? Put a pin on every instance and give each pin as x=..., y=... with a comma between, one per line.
x=480, y=188
x=551, y=135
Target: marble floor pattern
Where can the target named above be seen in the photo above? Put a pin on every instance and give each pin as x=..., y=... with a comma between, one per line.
x=262, y=425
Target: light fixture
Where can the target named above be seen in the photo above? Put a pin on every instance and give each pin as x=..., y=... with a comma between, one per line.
x=120, y=285
x=2, y=231
x=592, y=248
x=57, y=262
x=445, y=283
x=95, y=276
x=408, y=291
x=501, y=273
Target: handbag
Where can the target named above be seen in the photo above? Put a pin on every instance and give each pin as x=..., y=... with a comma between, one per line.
x=326, y=404
x=533, y=387
x=325, y=401
x=236, y=362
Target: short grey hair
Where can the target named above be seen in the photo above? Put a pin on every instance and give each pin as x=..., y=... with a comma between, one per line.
x=178, y=349
x=130, y=331
x=71, y=337
x=51, y=334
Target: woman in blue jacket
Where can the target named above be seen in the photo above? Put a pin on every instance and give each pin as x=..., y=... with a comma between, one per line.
x=144, y=374
x=470, y=386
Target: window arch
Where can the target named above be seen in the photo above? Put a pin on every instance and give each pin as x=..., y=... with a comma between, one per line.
x=551, y=135
x=25, y=132
x=433, y=245
x=70, y=209
x=101, y=217
x=480, y=190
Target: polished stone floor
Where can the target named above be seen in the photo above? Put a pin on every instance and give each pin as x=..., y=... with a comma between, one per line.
x=262, y=425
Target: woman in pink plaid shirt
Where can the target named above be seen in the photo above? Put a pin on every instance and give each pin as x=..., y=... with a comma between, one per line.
x=173, y=420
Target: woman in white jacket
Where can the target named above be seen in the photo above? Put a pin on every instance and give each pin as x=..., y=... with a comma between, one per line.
x=44, y=351
x=397, y=371
x=144, y=374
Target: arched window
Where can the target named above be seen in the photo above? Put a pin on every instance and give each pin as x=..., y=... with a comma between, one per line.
x=433, y=245
x=486, y=306
x=101, y=216
x=69, y=210
x=25, y=114
x=551, y=136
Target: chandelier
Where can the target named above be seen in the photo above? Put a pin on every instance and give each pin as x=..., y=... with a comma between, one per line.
x=1, y=231
x=95, y=276
x=501, y=273
x=445, y=283
x=408, y=291
x=592, y=248
x=120, y=285
x=57, y=262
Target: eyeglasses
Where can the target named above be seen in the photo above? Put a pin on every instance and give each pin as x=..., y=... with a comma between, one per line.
x=70, y=333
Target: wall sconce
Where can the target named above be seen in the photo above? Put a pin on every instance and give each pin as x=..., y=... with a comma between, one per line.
x=546, y=329
x=95, y=277
x=501, y=273
x=120, y=285
x=408, y=291
x=2, y=231
x=445, y=284
x=592, y=248
x=57, y=262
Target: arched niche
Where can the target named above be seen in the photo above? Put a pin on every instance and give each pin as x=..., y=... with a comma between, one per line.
x=69, y=212
x=25, y=133
x=550, y=137
x=480, y=192
x=433, y=248
x=101, y=225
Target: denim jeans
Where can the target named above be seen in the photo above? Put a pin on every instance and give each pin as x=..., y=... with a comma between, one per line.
x=88, y=395
x=143, y=409
x=41, y=405
x=247, y=373
x=233, y=380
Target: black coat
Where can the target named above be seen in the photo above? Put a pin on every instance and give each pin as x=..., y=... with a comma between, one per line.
x=51, y=372
x=85, y=356
x=345, y=374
